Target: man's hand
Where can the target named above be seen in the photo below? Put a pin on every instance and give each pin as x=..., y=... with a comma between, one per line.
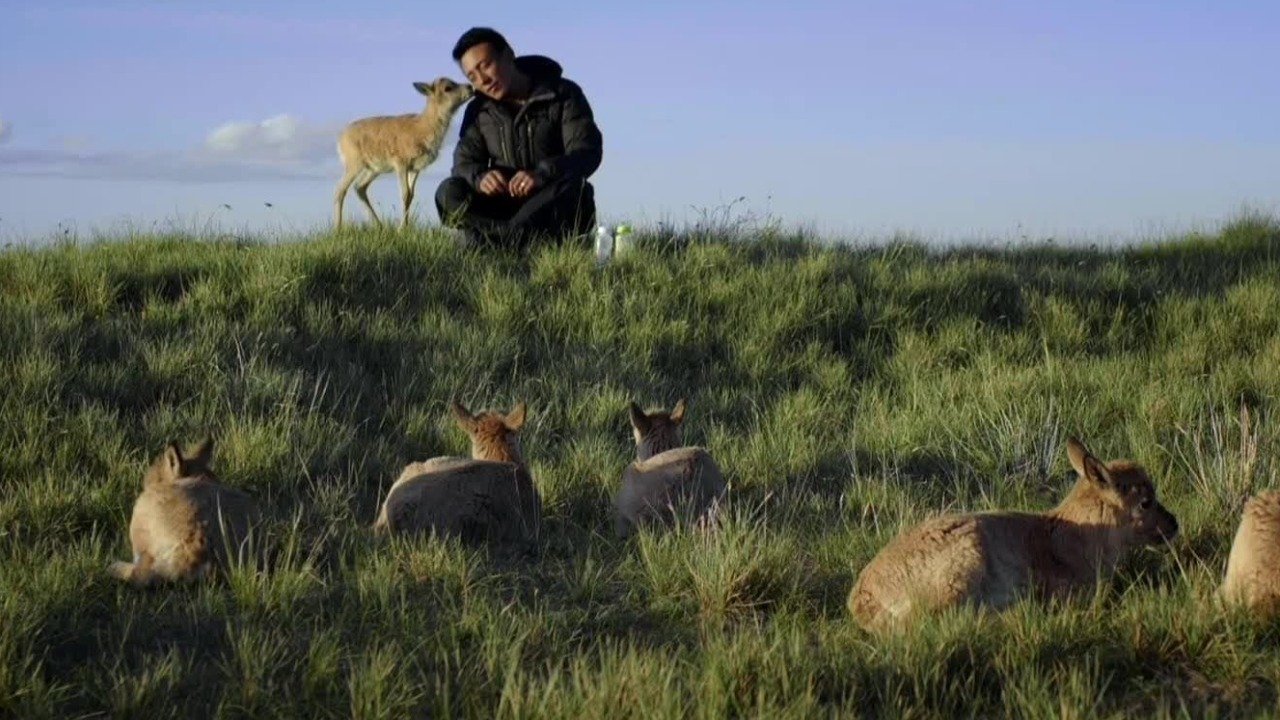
x=523, y=184
x=492, y=183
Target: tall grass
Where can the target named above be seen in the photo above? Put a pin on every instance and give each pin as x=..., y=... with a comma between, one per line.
x=845, y=391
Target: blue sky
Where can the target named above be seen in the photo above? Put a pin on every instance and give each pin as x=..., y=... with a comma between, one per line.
x=1077, y=119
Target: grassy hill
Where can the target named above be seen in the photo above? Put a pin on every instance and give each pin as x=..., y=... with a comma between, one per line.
x=845, y=391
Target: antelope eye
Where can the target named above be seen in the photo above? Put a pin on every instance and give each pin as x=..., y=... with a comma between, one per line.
x=1146, y=503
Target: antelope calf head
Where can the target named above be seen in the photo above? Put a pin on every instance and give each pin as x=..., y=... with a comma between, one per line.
x=445, y=94
x=494, y=435
x=1123, y=487
x=657, y=431
x=173, y=463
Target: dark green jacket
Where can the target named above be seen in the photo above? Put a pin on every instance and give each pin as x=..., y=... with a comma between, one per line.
x=554, y=135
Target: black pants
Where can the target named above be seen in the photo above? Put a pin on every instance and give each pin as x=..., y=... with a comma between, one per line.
x=559, y=209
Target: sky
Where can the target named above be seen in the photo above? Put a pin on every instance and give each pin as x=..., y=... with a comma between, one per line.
x=1084, y=120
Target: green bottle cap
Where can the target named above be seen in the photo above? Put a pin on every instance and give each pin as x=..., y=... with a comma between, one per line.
x=624, y=229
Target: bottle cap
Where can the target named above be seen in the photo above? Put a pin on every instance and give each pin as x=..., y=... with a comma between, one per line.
x=624, y=228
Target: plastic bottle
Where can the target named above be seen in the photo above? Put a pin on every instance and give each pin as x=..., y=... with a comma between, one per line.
x=623, y=240
x=604, y=244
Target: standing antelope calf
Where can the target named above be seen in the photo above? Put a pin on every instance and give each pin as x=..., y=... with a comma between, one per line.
x=1252, y=579
x=666, y=479
x=489, y=496
x=403, y=144
x=990, y=559
x=185, y=523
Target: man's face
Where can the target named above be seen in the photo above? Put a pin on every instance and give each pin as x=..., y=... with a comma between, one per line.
x=489, y=71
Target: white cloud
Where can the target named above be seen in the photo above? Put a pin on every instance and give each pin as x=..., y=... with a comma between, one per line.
x=6, y=129
x=280, y=138
x=192, y=167
x=282, y=147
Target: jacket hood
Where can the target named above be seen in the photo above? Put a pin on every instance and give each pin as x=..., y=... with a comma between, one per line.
x=542, y=69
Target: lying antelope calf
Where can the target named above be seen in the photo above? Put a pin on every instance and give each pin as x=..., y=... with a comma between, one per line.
x=1252, y=579
x=666, y=479
x=487, y=497
x=990, y=559
x=186, y=524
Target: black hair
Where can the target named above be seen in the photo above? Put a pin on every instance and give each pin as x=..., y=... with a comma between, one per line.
x=476, y=36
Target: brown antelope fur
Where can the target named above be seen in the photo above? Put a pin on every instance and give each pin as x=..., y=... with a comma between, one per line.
x=489, y=496
x=989, y=559
x=666, y=476
x=1252, y=579
x=403, y=144
x=186, y=524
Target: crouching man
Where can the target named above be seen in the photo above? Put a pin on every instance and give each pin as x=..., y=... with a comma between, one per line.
x=527, y=144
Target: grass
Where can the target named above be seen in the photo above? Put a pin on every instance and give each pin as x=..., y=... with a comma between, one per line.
x=846, y=392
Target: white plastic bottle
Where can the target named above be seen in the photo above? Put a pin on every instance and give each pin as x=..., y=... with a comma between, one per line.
x=604, y=244
x=623, y=240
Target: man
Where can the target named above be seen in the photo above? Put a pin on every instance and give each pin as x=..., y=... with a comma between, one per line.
x=527, y=145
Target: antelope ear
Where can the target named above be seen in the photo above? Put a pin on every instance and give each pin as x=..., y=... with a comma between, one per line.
x=173, y=459
x=515, y=418
x=203, y=453
x=677, y=413
x=462, y=415
x=1085, y=464
x=639, y=420
x=423, y=87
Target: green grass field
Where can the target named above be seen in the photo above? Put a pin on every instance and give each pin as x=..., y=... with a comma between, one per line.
x=845, y=391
